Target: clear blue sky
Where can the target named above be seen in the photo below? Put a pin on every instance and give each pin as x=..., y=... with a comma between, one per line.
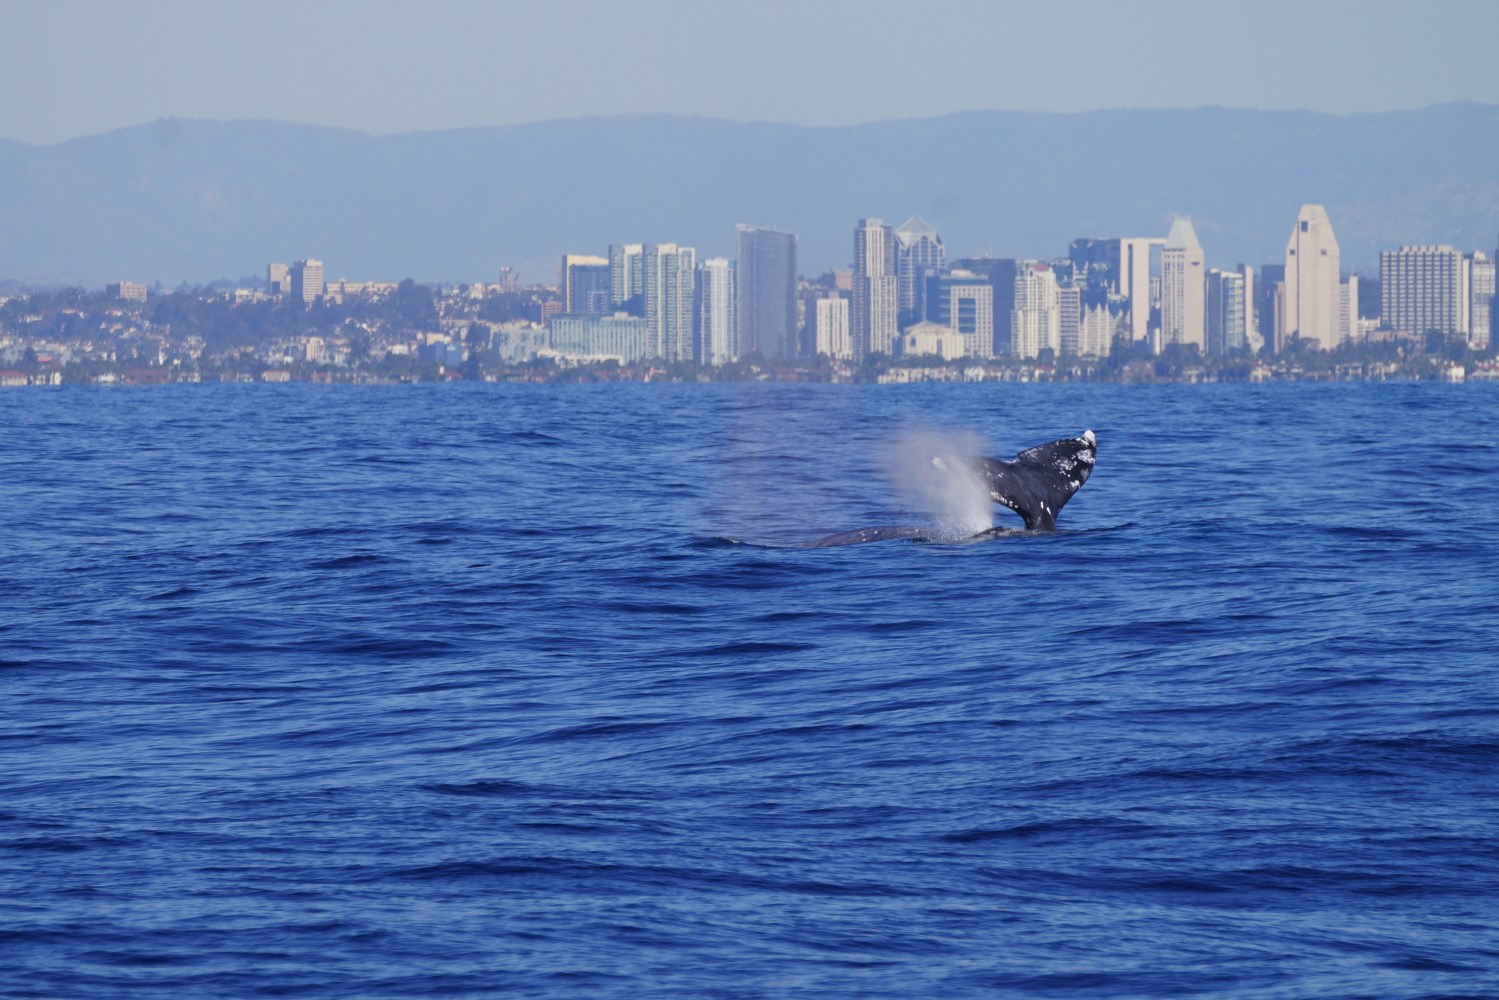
x=76, y=68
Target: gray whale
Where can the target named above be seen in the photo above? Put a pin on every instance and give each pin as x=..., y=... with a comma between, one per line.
x=1036, y=484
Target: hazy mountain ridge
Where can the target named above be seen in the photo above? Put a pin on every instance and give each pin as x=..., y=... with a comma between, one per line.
x=196, y=200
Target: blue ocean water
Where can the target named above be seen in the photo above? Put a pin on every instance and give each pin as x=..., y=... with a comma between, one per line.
x=467, y=690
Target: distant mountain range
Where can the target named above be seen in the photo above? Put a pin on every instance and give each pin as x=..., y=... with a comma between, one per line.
x=194, y=201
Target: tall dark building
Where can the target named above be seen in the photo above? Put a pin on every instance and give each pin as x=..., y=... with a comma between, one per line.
x=1000, y=273
x=1266, y=292
x=765, y=293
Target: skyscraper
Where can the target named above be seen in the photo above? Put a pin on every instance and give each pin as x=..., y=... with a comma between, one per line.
x=626, y=277
x=585, y=284
x=765, y=293
x=307, y=280
x=1035, y=320
x=1481, y=289
x=669, y=288
x=1183, y=287
x=1134, y=281
x=715, y=311
x=918, y=252
x=1227, y=304
x=1267, y=297
x=1313, y=265
x=1000, y=273
x=1423, y=289
x=876, y=303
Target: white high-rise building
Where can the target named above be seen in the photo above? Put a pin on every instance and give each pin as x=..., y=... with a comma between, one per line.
x=1348, y=309
x=1313, y=271
x=1095, y=332
x=670, y=274
x=874, y=316
x=1424, y=289
x=830, y=327
x=1036, y=320
x=1481, y=282
x=715, y=314
x=918, y=253
x=1183, y=287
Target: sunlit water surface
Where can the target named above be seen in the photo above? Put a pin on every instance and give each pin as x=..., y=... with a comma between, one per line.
x=457, y=690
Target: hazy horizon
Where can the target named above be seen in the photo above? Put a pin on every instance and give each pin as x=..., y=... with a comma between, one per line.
x=379, y=68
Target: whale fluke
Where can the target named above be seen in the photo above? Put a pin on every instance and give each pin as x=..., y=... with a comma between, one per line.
x=1036, y=485
x=1041, y=479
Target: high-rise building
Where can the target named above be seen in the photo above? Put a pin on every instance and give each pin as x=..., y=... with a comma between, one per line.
x=963, y=301
x=585, y=284
x=277, y=279
x=1069, y=315
x=1135, y=282
x=1424, y=289
x=715, y=311
x=1183, y=287
x=918, y=253
x=1313, y=270
x=1267, y=299
x=307, y=280
x=999, y=273
x=670, y=282
x=1227, y=330
x=876, y=301
x=1481, y=281
x=627, y=277
x=1348, y=309
x=765, y=293
x=1035, y=320
x=830, y=327
x=1096, y=330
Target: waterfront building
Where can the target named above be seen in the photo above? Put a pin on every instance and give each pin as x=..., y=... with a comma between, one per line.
x=830, y=334
x=1183, y=287
x=1313, y=270
x=918, y=253
x=1035, y=319
x=594, y=337
x=1481, y=282
x=307, y=280
x=765, y=293
x=1227, y=306
x=669, y=289
x=715, y=311
x=963, y=301
x=585, y=284
x=926, y=339
x=1424, y=289
x=876, y=302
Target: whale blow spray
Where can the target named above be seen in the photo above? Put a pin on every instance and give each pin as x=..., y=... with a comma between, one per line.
x=934, y=471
